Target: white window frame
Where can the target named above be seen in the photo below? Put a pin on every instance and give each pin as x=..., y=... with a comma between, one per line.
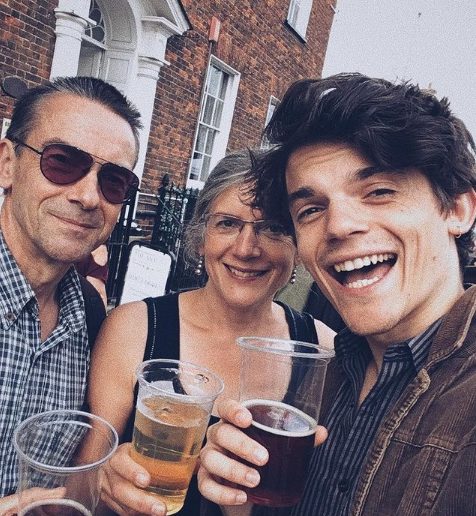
x=92, y=52
x=272, y=105
x=298, y=16
x=223, y=130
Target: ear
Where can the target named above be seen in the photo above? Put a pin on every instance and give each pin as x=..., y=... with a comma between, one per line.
x=463, y=213
x=7, y=163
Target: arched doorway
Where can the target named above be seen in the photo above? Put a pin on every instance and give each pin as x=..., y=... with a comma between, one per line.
x=120, y=41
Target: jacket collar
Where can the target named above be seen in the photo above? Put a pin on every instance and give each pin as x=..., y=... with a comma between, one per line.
x=455, y=328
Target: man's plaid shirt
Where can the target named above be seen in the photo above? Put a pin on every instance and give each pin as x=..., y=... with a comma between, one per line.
x=36, y=376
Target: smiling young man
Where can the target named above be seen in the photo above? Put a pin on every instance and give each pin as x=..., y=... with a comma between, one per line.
x=377, y=180
x=66, y=167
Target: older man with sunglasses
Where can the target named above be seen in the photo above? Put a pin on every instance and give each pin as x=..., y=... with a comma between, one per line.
x=66, y=168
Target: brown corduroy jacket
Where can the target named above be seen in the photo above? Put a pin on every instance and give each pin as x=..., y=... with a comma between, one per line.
x=423, y=459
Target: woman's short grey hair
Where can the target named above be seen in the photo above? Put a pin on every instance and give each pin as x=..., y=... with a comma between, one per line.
x=230, y=171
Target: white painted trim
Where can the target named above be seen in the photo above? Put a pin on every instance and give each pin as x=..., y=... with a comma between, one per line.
x=223, y=135
x=179, y=17
x=303, y=15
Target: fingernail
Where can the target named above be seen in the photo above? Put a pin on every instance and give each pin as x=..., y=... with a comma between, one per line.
x=260, y=454
x=241, y=497
x=242, y=418
x=142, y=480
x=158, y=509
x=252, y=478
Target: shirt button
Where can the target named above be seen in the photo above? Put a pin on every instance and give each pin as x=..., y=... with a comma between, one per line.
x=10, y=316
x=343, y=486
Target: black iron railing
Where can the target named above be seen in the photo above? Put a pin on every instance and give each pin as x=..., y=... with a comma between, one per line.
x=169, y=210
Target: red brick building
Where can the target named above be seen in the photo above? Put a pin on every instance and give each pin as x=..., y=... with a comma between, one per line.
x=204, y=74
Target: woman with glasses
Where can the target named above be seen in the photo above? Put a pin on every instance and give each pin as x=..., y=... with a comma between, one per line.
x=246, y=260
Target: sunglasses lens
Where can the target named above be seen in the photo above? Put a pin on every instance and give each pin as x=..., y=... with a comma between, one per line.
x=117, y=183
x=62, y=164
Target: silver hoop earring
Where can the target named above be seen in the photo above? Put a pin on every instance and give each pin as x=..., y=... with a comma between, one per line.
x=292, y=279
x=199, y=268
x=460, y=232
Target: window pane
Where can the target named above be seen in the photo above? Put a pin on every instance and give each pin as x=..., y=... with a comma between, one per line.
x=214, y=81
x=224, y=86
x=196, y=166
x=98, y=31
x=273, y=103
x=218, y=113
x=95, y=14
x=208, y=111
x=298, y=15
x=205, y=168
x=210, y=141
x=201, y=138
x=98, y=34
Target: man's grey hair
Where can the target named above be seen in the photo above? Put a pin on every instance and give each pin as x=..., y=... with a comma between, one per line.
x=27, y=107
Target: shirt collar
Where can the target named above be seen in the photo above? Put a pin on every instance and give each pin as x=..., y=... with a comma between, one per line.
x=348, y=345
x=16, y=292
x=72, y=308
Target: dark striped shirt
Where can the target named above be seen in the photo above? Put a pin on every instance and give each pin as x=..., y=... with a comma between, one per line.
x=336, y=465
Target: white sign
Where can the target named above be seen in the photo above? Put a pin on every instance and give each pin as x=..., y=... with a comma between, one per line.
x=146, y=275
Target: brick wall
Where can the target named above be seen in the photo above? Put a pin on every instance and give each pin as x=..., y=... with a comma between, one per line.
x=26, y=42
x=255, y=41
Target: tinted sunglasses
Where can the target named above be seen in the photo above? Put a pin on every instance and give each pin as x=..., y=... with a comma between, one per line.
x=64, y=164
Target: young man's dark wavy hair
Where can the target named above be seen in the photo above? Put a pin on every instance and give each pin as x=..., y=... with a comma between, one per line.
x=394, y=126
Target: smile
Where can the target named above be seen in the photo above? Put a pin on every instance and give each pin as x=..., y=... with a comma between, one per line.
x=363, y=271
x=78, y=223
x=245, y=273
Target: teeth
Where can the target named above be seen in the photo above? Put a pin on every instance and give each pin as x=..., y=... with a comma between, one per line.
x=349, y=266
x=362, y=261
x=243, y=274
x=362, y=283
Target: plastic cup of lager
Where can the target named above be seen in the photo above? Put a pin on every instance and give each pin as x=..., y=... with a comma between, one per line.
x=60, y=454
x=281, y=384
x=174, y=404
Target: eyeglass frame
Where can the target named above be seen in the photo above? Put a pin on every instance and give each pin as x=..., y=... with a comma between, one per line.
x=131, y=190
x=254, y=223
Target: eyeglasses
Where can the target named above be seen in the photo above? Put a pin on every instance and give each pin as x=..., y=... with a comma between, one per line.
x=64, y=164
x=230, y=226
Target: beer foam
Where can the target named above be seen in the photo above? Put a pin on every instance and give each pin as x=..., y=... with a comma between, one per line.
x=292, y=429
x=172, y=413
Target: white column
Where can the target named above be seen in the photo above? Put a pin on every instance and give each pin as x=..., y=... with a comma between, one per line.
x=71, y=20
x=151, y=57
x=142, y=95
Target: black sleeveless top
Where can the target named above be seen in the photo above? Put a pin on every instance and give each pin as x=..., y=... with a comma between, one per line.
x=163, y=341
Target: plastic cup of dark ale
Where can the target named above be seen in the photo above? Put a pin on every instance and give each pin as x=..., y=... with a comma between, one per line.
x=281, y=384
x=60, y=454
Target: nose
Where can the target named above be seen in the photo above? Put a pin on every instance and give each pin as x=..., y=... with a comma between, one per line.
x=86, y=191
x=246, y=244
x=344, y=219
